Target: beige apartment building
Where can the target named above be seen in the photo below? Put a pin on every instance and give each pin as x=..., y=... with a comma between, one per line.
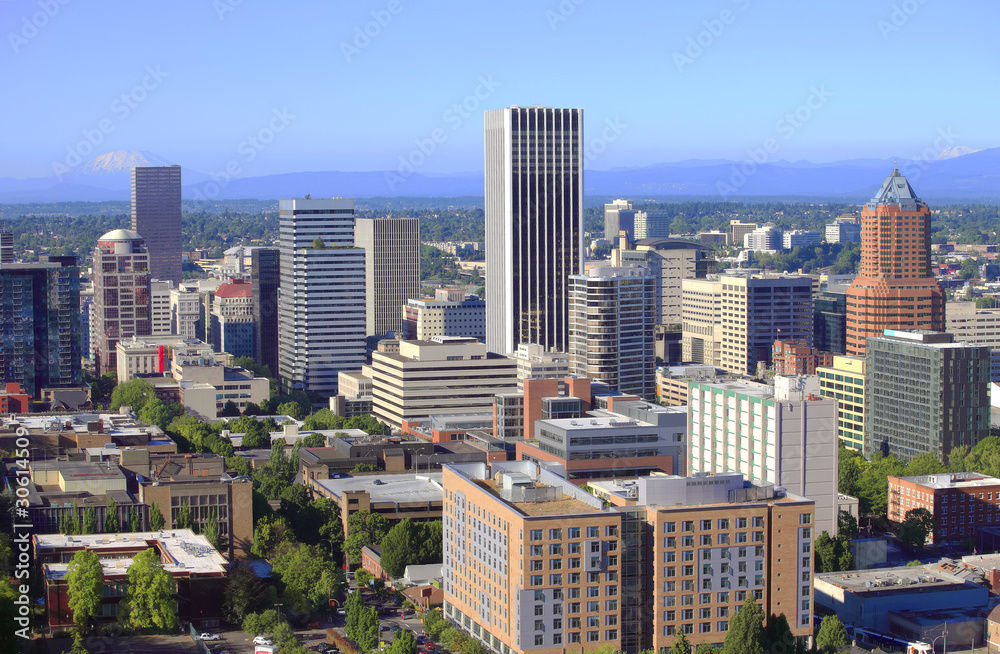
x=533, y=563
x=701, y=321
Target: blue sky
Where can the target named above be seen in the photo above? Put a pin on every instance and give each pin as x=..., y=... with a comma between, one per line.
x=890, y=75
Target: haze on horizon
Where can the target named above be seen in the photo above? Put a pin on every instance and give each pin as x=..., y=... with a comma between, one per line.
x=356, y=87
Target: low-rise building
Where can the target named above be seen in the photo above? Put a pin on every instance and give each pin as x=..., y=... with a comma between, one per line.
x=535, y=362
x=672, y=382
x=52, y=435
x=393, y=496
x=197, y=568
x=797, y=357
x=801, y=238
x=960, y=502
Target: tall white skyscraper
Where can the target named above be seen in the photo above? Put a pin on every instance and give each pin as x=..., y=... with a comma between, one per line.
x=321, y=297
x=392, y=270
x=534, y=224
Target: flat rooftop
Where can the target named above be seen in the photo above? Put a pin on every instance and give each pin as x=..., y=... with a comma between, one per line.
x=880, y=580
x=185, y=551
x=566, y=505
x=597, y=422
x=390, y=487
x=953, y=480
x=747, y=388
x=80, y=470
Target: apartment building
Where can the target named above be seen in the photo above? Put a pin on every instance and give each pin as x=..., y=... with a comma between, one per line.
x=739, y=426
x=961, y=502
x=533, y=563
x=701, y=321
x=844, y=381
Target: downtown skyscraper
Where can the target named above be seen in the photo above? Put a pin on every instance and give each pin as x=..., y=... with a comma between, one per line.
x=156, y=216
x=321, y=296
x=895, y=288
x=534, y=224
x=392, y=270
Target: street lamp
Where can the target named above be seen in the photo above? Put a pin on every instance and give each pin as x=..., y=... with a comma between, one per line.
x=944, y=635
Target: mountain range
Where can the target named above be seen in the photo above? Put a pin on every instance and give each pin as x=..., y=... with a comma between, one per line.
x=958, y=173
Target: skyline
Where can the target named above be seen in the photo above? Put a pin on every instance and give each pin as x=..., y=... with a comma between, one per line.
x=874, y=82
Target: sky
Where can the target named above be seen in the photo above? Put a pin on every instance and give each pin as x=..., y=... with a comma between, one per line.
x=302, y=85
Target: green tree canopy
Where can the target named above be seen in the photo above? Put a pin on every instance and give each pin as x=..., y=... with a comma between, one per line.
x=89, y=525
x=85, y=582
x=832, y=634
x=363, y=528
x=156, y=520
x=244, y=593
x=917, y=525
x=111, y=525
x=134, y=393
x=404, y=643
x=746, y=630
x=213, y=533
x=309, y=578
x=681, y=645
x=149, y=601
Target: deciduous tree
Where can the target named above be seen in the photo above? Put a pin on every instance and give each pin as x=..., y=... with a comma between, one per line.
x=149, y=601
x=746, y=630
x=85, y=581
x=832, y=634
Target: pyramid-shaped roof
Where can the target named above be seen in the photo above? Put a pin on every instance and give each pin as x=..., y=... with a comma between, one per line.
x=896, y=190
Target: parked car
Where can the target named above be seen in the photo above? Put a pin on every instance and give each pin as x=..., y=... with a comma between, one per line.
x=262, y=640
x=208, y=636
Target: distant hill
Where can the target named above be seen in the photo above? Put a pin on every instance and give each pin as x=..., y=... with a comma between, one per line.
x=959, y=173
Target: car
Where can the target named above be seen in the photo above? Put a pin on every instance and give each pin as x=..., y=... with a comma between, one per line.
x=262, y=640
x=313, y=625
x=208, y=636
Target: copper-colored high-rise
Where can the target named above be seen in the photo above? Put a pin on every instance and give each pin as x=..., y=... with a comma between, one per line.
x=894, y=288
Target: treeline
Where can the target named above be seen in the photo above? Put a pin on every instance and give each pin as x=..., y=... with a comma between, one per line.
x=841, y=258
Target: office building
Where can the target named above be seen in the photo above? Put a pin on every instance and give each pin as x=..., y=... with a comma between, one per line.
x=233, y=328
x=265, y=278
x=743, y=427
x=159, y=307
x=843, y=232
x=768, y=239
x=970, y=324
x=445, y=376
x=701, y=321
x=6, y=243
x=534, y=564
x=40, y=325
x=925, y=393
x=534, y=224
x=672, y=382
x=185, y=311
x=121, y=295
x=392, y=270
x=895, y=288
x=738, y=231
x=830, y=320
x=535, y=362
x=611, y=328
x=619, y=216
x=844, y=381
x=961, y=503
x=652, y=224
x=321, y=298
x=758, y=310
x=798, y=238
x=451, y=312
x=671, y=261
x=797, y=357
x=156, y=214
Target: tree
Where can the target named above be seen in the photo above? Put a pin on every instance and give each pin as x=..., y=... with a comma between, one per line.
x=353, y=606
x=149, y=600
x=778, y=638
x=399, y=548
x=847, y=526
x=212, y=533
x=404, y=643
x=364, y=467
x=706, y=648
x=159, y=413
x=269, y=533
x=85, y=581
x=111, y=518
x=832, y=634
x=229, y=410
x=473, y=646
x=917, y=525
x=681, y=645
x=155, y=518
x=434, y=623
x=255, y=436
x=291, y=409
x=430, y=542
x=89, y=525
x=314, y=440
x=78, y=646
x=257, y=624
x=302, y=568
x=362, y=577
x=746, y=630
x=134, y=393
x=363, y=528
x=244, y=594
x=318, y=243
x=184, y=519
x=133, y=519
x=826, y=553
x=368, y=629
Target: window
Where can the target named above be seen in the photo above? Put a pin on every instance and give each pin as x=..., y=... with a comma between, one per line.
x=706, y=540
x=741, y=523
x=555, y=549
x=593, y=591
x=555, y=580
x=706, y=525
x=704, y=613
x=574, y=548
x=535, y=565
x=593, y=532
x=573, y=532
x=535, y=550
x=687, y=525
x=705, y=598
x=593, y=636
x=555, y=564
x=539, y=638
x=574, y=578
x=758, y=521
x=573, y=637
x=705, y=627
x=669, y=557
x=536, y=580
x=723, y=523
x=670, y=541
x=805, y=518
x=670, y=587
x=611, y=605
x=669, y=629
x=611, y=634
x=669, y=616
x=536, y=534
x=555, y=534
x=687, y=628
x=557, y=638
x=722, y=539
x=539, y=609
x=539, y=625
x=669, y=527
x=723, y=598
x=724, y=624
x=722, y=612
x=687, y=541
x=593, y=621
x=687, y=614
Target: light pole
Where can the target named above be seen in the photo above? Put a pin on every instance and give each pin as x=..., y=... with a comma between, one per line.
x=944, y=635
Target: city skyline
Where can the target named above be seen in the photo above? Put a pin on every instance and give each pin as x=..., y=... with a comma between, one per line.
x=714, y=82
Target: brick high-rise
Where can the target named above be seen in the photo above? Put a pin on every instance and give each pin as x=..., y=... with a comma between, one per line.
x=156, y=215
x=894, y=288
